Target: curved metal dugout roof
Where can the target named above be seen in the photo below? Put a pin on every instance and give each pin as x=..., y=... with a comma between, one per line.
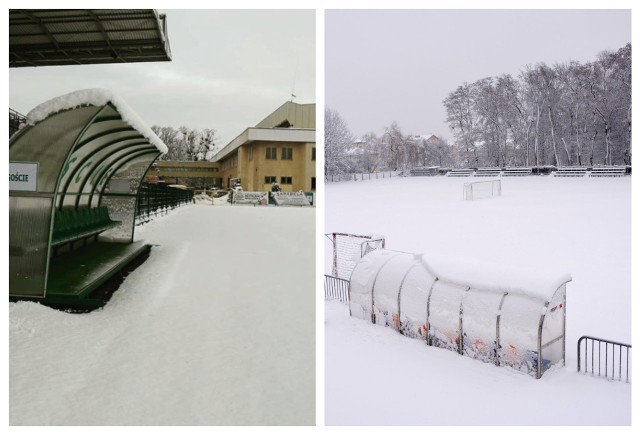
x=45, y=37
x=80, y=141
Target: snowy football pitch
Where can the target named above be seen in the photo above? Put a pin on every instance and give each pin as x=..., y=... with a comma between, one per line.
x=579, y=225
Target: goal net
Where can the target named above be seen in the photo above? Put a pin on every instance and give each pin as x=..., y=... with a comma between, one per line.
x=481, y=189
x=349, y=248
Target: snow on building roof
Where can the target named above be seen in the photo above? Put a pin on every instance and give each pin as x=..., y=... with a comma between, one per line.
x=95, y=97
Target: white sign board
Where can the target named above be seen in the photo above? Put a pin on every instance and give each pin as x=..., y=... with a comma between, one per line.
x=23, y=176
x=291, y=198
x=242, y=197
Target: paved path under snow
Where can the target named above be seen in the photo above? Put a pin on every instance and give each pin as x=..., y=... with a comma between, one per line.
x=217, y=327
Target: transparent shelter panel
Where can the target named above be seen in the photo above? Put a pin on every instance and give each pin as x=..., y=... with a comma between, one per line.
x=519, y=322
x=105, y=168
x=479, y=314
x=85, y=165
x=58, y=134
x=29, y=221
x=413, y=302
x=99, y=128
x=361, y=283
x=122, y=209
x=387, y=287
x=444, y=315
x=553, y=334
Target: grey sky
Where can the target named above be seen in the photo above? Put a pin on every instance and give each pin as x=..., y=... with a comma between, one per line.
x=230, y=69
x=386, y=65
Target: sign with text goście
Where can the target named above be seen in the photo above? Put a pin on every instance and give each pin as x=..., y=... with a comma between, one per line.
x=23, y=176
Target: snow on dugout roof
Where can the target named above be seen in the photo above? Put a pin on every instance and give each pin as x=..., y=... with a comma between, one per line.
x=95, y=97
x=541, y=284
x=538, y=284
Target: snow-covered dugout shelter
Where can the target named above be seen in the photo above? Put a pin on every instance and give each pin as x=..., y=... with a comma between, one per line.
x=508, y=318
x=75, y=171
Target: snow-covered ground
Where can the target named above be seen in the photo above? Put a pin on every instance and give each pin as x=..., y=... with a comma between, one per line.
x=217, y=327
x=375, y=376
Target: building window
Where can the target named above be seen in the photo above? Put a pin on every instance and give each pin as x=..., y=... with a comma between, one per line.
x=313, y=153
x=272, y=153
x=313, y=182
x=269, y=179
x=287, y=153
x=285, y=180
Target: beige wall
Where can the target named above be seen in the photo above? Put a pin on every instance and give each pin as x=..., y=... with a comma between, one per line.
x=253, y=172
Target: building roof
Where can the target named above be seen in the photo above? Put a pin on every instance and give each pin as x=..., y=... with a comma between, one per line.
x=291, y=122
x=44, y=37
x=291, y=114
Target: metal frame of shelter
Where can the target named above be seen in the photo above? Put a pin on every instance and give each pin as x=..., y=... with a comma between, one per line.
x=506, y=327
x=45, y=37
x=87, y=158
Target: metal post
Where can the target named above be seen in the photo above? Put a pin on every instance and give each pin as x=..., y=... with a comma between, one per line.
x=373, y=287
x=428, y=311
x=539, y=368
x=460, y=332
x=497, y=362
x=400, y=296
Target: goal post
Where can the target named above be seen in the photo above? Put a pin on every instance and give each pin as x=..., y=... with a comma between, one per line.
x=349, y=248
x=481, y=189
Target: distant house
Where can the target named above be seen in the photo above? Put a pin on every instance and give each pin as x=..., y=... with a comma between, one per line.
x=425, y=138
x=362, y=155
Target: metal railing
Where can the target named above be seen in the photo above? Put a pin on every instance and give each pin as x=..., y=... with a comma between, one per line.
x=603, y=353
x=158, y=198
x=16, y=119
x=336, y=288
x=361, y=176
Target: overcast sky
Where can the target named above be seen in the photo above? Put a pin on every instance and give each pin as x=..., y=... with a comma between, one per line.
x=230, y=70
x=385, y=65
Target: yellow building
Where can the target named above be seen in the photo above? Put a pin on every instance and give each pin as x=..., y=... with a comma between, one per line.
x=281, y=148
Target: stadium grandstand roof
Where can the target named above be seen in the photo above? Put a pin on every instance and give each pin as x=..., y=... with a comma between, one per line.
x=47, y=37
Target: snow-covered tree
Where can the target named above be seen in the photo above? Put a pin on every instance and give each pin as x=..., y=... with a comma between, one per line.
x=337, y=138
x=565, y=114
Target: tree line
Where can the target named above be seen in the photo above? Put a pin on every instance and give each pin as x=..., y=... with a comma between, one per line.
x=187, y=144
x=570, y=114
x=391, y=151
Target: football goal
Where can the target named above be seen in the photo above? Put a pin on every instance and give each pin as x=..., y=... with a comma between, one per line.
x=481, y=189
x=350, y=248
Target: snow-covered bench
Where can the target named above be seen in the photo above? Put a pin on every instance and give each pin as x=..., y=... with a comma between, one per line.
x=487, y=172
x=570, y=171
x=516, y=172
x=424, y=172
x=613, y=171
x=460, y=173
